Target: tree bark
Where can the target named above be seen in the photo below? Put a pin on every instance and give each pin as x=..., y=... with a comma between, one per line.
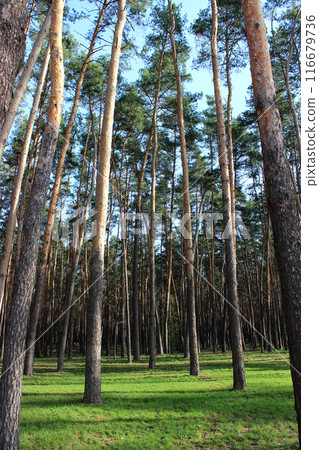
x=234, y=322
x=127, y=304
x=279, y=189
x=152, y=318
x=135, y=271
x=189, y=254
x=230, y=149
x=138, y=224
x=11, y=380
x=13, y=21
x=152, y=231
x=169, y=259
x=38, y=297
x=68, y=304
x=11, y=223
x=92, y=392
x=23, y=81
x=285, y=67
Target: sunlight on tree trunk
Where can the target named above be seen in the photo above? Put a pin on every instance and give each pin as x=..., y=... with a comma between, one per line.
x=189, y=256
x=11, y=380
x=92, y=392
x=233, y=311
x=280, y=193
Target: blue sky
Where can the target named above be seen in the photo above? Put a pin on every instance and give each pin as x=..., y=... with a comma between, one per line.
x=201, y=79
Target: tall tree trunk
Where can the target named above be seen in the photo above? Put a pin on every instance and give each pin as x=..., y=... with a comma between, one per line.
x=169, y=258
x=152, y=231
x=123, y=304
x=233, y=312
x=269, y=286
x=279, y=189
x=152, y=317
x=189, y=254
x=77, y=241
x=11, y=223
x=68, y=305
x=92, y=392
x=11, y=380
x=135, y=270
x=230, y=149
x=38, y=297
x=285, y=67
x=127, y=301
x=25, y=182
x=23, y=81
x=138, y=225
x=13, y=21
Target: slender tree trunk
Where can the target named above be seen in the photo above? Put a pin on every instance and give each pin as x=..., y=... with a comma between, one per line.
x=138, y=224
x=25, y=182
x=152, y=317
x=11, y=380
x=127, y=300
x=13, y=21
x=23, y=81
x=11, y=223
x=123, y=304
x=285, y=67
x=53, y=288
x=189, y=254
x=279, y=189
x=78, y=236
x=68, y=305
x=37, y=300
x=169, y=258
x=230, y=148
x=269, y=285
x=252, y=314
x=92, y=392
x=234, y=322
x=136, y=248
x=135, y=271
x=152, y=231
x=77, y=241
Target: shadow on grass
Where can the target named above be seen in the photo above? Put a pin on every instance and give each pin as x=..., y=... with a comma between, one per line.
x=116, y=367
x=141, y=406
x=227, y=403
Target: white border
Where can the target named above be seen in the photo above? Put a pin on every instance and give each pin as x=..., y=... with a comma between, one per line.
x=310, y=249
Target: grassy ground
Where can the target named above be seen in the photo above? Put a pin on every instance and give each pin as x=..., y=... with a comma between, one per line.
x=163, y=408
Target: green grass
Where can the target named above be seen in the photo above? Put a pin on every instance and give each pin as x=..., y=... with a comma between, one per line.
x=162, y=408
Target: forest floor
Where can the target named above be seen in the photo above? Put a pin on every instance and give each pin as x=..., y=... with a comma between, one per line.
x=161, y=408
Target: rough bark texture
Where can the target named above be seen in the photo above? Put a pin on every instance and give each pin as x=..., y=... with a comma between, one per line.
x=13, y=21
x=234, y=322
x=280, y=194
x=189, y=255
x=23, y=81
x=92, y=392
x=11, y=380
x=40, y=281
x=7, y=245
